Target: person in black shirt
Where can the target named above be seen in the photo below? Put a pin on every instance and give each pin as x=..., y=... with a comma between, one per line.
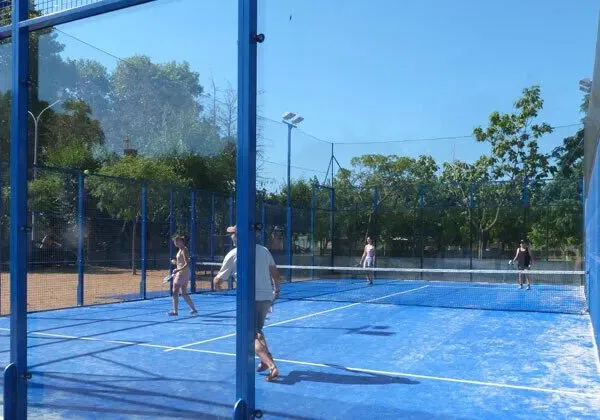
x=524, y=260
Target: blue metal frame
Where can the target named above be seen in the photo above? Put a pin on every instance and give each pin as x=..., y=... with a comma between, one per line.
x=313, y=241
x=144, y=237
x=15, y=402
x=246, y=203
x=193, y=241
x=332, y=220
x=211, y=238
x=171, y=231
x=70, y=15
x=263, y=223
x=80, y=238
x=17, y=386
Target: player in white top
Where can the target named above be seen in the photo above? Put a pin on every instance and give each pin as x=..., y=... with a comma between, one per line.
x=368, y=259
x=267, y=290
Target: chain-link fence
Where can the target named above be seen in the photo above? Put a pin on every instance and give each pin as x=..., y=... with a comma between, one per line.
x=99, y=239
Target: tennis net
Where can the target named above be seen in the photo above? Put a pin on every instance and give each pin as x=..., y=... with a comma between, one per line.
x=551, y=290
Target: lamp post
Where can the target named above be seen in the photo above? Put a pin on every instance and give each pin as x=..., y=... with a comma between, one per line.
x=36, y=122
x=291, y=120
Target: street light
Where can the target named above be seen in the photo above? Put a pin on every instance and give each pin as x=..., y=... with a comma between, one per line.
x=291, y=120
x=36, y=121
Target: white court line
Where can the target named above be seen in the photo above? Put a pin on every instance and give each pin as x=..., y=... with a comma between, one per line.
x=287, y=321
x=351, y=369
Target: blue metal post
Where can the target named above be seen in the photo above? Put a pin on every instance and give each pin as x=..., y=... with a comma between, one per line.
x=230, y=216
x=422, y=217
x=171, y=231
x=171, y=223
x=313, y=241
x=80, y=238
x=193, y=242
x=288, y=218
x=525, y=206
x=263, y=222
x=246, y=202
x=470, y=221
x=375, y=208
x=144, y=235
x=16, y=376
x=332, y=220
x=211, y=239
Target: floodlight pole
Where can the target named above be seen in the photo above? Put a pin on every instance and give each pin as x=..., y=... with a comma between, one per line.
x=288, y=219
x=291, y=120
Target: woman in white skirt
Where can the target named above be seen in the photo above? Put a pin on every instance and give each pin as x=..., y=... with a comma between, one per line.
x=368, y=259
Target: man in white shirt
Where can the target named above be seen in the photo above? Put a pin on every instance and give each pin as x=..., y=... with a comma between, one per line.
x=267, y=289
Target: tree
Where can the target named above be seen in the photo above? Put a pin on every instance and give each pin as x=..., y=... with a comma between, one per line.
x=569, y=156
x=514, y=140
x=120, y=197
x=157, y=107
x=560, y=220
x=215, y=172
x=482, y=200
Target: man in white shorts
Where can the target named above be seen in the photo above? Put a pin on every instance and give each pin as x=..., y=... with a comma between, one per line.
x=267, y=289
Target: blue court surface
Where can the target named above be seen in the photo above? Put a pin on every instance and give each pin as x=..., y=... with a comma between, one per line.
x=338, y=359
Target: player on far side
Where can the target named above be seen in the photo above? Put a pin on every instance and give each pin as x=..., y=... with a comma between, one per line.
x=368, y=259
x=182, y=275
x=524, y=260
x=266, y=290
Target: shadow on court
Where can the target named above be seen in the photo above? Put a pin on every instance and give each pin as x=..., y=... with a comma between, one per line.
x=353, y=378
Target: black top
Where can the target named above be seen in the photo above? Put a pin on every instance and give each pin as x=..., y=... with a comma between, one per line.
x=523, y=257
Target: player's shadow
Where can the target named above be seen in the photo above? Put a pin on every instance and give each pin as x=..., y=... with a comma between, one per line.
x=352, y=378
x=368, y=330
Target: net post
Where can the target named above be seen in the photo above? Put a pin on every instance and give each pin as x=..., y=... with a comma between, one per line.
x=80, y=237
x=144, y=234
x=18, y=211
x=193, y=249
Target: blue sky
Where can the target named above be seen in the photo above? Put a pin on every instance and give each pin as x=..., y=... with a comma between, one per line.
x=361, y=71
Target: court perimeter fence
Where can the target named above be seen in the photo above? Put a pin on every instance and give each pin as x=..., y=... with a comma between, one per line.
x=99, y=239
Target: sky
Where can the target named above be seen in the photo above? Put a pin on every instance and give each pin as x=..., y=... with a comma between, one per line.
x=364, y=71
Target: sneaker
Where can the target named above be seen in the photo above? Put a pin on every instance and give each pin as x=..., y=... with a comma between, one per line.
x=520, y=286
x=194, y=312
x=528, y=287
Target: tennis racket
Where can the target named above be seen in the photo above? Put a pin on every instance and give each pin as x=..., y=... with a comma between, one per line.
x=168, y=278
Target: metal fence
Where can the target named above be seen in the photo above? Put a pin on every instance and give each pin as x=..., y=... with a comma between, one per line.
x=98, y=239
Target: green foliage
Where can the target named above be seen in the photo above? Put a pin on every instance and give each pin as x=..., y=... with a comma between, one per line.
x=214, y=172
x=569, y=155
x=514, y=139
x=76, y=155
x=118, y=196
